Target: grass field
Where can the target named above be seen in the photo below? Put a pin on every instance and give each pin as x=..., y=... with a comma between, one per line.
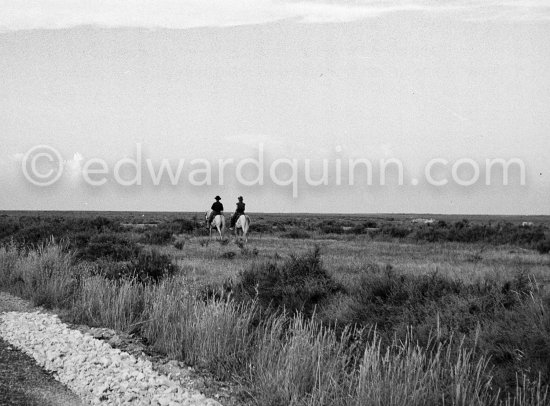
x=315, y=309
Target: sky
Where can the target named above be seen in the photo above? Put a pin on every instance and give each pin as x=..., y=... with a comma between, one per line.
x=100, y=101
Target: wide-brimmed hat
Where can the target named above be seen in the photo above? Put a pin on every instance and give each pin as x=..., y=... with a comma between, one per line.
x=240, y=198
x=218, y=198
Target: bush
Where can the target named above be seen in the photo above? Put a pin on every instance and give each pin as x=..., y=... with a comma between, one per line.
x=332, y=229
x=228, y=255
x=296, y=234
x=247, y=252
x=184, y=226
x=151, y=266
x=116, y=247
x=260, y=228
x=298, y=284
x=34, y=230
x=158, y=236
x=395, y=231
x=388, y=300
x=543, y=247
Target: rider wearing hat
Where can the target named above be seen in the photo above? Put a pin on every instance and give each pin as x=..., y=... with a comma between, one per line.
x=217, y=208
x=238, y=212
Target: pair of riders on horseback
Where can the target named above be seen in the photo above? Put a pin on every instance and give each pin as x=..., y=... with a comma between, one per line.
x=217, y=208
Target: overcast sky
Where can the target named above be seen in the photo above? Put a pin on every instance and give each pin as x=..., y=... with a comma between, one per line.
x=206, y=80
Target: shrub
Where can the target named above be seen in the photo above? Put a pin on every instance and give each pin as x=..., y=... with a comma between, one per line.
x=296, y=234
x=543, y=247
x=518, y=341
x=388, y=300
x=151, y=266
x=224, y=241
x=332, y=229
x=228, y=255
x=158, y=236
x=247, y=252
x=112, y=270
x=35, y=230
x=184, y=226
x=116, y=247
x=299, y=284
x=395, y=231
x=260, y=228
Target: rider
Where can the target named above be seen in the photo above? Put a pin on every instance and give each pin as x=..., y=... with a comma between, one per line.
x=217, y=208
x=238, y=212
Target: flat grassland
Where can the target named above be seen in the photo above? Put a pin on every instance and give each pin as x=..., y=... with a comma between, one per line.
x=316, y=308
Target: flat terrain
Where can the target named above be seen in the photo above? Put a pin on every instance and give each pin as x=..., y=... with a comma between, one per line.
x=346, y=259
x=481, y=282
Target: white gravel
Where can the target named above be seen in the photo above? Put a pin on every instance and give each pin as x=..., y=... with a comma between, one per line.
x=91, y=368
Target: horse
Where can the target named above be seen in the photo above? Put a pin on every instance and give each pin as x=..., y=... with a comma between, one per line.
x=218, y=221
x=242, y=223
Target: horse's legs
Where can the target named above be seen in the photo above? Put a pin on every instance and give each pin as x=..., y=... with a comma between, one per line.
x=219, y=228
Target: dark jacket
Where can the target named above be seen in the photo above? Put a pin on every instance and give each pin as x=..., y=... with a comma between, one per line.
x=240, y=208
x=217, y=206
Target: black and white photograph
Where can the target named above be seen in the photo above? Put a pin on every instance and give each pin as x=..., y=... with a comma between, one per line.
x=275, y=202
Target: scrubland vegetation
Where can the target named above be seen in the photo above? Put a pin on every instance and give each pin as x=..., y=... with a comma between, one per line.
x=314, y=310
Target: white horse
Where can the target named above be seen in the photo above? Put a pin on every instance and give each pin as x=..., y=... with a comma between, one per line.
x=218, y=221
x=242, y=224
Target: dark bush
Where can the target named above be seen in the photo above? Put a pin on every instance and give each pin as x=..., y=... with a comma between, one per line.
x=36, y=230
x=543, y=247
x=113, y=270
x=260, y=227
x=395, y=231
x=298, y=284
x=247, y=252
x=332, y=229
x=388, y=300
x=518, y=341
x=228, y=255
x=39, y=233
x=184, y=226
x=296, y=234
x=116, y=247
x=151, y=266
x=158, y=236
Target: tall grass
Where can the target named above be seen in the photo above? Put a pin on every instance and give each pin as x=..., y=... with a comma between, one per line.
x=211, y=333
x=115, y=304
x=45, y=275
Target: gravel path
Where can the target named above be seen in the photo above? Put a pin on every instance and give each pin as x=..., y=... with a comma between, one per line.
x=22, y=381
x=91, y=368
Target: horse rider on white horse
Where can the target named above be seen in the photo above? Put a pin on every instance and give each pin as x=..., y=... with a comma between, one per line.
x=217, y=209
x=238, y=212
